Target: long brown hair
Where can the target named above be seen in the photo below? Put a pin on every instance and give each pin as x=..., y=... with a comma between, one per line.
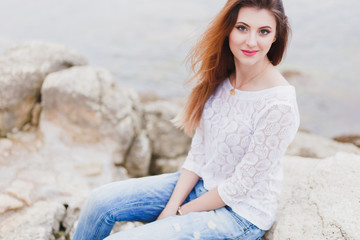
x=212, y=60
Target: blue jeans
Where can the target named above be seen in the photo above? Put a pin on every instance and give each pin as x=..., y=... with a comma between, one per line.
x=143, y=199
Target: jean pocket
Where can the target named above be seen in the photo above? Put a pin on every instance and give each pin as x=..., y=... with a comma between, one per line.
x=242, y=222
x=250, y=231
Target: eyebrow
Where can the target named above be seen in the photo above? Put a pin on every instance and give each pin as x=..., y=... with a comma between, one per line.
x=249, y=26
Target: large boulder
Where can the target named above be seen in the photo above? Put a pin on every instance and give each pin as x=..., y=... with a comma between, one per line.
x=167, y=141
x=139, y=157
x=354, y=139
x=91, y=108
x=22, y=71
x=39, y=222
x=320, y=199
x=40, y=176
x=311, y=145
x=164, y=165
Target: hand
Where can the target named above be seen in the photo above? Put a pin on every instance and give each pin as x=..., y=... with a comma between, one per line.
x=183, y=187
x=167, y=212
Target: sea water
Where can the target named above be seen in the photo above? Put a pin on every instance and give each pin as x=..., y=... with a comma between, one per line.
x=144, y=44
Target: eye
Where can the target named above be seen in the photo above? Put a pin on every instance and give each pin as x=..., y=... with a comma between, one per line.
x=264, y=32
x=241, y=28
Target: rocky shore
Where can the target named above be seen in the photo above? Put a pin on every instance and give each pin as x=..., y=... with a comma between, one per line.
x=67, y=127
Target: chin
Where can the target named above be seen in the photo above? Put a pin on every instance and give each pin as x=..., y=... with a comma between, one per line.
x=249, y=62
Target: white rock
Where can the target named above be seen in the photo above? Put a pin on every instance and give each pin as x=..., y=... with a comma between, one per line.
x=315, y=146
x=5, y=144
x=320, y=199
x=163, y=165
x=89, y=169
x=37, y=176
x=34, y=233
x=167, y=141
x=119, y=173
x=22, y=190
x=71, y=216
x=123, y=226
x=139, y=157
x=9, y=203
x=22, y=71
x=35, y=114
x=7, y=173
x=88, y=104
x=39, y=222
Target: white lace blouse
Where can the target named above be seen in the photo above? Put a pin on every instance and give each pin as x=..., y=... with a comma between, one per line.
x=238, y=147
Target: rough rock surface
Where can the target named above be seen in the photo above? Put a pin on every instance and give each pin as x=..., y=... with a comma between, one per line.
x=320, y=199
x=314, y=146
x=38, y=222
x=91, y=132
x=354, y=139
x=164, y=165
x=39, y=175
x=139, y=157
x=9, y=203
x=22, y=71
x=166, y=140
x=87, y=103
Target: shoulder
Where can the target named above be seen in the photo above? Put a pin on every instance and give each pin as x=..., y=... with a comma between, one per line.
x=275, y=79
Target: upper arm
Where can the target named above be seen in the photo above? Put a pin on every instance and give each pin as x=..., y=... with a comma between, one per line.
x=256, y=172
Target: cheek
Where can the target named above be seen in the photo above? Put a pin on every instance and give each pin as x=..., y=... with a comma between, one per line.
x=234, y=41
x=266, y=44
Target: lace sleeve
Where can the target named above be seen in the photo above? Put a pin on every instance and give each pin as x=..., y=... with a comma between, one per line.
x=195, y=158
x=259, y=172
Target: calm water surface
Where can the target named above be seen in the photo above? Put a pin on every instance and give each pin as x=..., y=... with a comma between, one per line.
x=144, y=44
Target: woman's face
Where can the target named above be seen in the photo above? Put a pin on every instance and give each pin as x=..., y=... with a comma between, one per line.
x=252, y=36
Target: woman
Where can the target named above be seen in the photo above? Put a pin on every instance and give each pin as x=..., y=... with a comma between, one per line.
x=244, y=115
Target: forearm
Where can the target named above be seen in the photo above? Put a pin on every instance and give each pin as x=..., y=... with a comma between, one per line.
x=183, y=187
x=208, y=201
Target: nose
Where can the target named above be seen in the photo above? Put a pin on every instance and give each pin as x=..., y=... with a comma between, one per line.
x=251, y=40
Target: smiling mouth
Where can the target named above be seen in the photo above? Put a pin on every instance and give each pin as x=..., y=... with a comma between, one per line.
x=249, y=53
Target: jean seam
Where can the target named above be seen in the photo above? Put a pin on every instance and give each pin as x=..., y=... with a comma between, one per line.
x=244, y=226
x=249, y=229
x=239, y=221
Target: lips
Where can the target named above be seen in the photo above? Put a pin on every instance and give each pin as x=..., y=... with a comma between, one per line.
x=249, y=53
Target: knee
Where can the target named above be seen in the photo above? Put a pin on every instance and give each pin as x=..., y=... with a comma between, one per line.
x=95, y=214
x=98, y=200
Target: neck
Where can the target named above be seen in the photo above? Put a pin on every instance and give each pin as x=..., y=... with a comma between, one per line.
x=249, y=74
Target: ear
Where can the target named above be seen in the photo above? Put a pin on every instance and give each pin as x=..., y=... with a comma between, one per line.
x=274, y=39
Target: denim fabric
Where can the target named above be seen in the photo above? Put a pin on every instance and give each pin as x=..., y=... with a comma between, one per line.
x=143, y=199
